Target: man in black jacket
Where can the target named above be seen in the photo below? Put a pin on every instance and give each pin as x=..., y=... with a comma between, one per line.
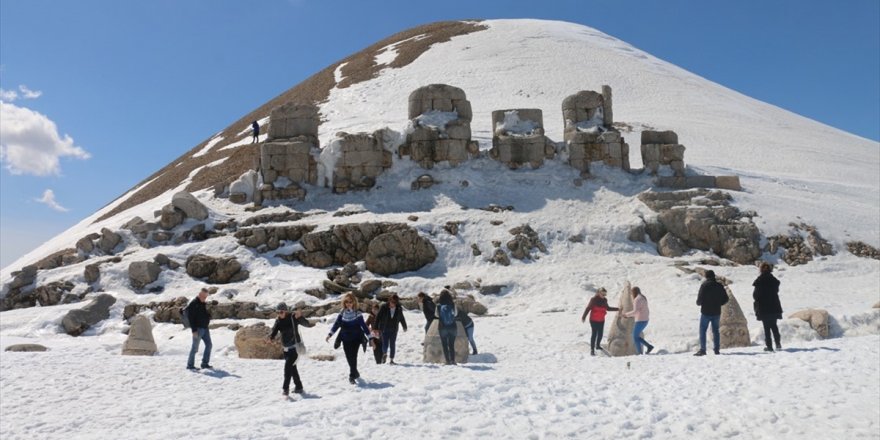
x=288, y=325
x=389, y=320
x=199, y=319
x=710, y=299
x=428, y=307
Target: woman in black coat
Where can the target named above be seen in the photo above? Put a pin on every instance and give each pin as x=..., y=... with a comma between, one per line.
x=767, y=306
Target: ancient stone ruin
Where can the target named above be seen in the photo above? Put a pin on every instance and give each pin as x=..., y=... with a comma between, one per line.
x=733, y=326
x=620, y=342
x=433, y=349
x=441, y=126
x=287, y=158
x=589, y=135
x=354, y=161
x=518, y=138
x=662, y=148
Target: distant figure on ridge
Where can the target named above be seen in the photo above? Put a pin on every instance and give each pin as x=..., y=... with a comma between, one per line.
x=768, y=309
x=640, y=314
x=427, y=306
x=288, y=325
x=199, y=319
x=448, y=330
x=375, y=334
x=597, y=308
x=390, y=318
x=255, y=127
x=710, y=299
x=353, y=333
x=468, y=325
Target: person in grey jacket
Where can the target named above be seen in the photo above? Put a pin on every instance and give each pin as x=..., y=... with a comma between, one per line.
x=288, y=325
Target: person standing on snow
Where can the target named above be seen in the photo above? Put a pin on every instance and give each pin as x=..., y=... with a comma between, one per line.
x=468, y=325
x=768, y=309
x=199, y=319
x=640, y=314
x=427, y=306
x=255, y=128
x=389, y=319
x=597, y=308
x=375, y=334
x=446, y=312
x=353, y=333
x=288, y=325
x=710, y=299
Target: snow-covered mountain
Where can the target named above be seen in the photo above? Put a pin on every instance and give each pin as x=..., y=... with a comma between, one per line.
x=792, y=169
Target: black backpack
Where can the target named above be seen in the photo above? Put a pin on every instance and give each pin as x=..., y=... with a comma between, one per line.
x=184, y=317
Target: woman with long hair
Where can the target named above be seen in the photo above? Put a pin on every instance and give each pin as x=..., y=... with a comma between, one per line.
x=353, y=332
x=768, y=309
x=640, y=314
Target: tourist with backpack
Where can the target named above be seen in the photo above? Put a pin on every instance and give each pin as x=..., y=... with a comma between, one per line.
x=597, y=308
x=197, y=315
x=288, y=324
x=427, y=306
x=640, y=314
x=375, y=334
x=711, y=297
x=390, y=319
x=447, y=328
x=468, y=325
x=353, y=333
x=768, y=308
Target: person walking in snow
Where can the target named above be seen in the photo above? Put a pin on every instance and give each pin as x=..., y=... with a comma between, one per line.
x=710, y=299
x=597, y=308
x=768, y=309
x=288, y=324
x=353, y=333
x=468, y=325
x=390, y=319
x=375, y=334
x=199, y=318
x=427, y=306
x=255, y=128
x=640, y=314
x=446, y=312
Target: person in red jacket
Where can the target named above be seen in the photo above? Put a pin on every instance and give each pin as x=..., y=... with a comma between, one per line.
x=597, y=309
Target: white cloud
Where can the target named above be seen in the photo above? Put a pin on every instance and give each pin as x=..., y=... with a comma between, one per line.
x=30, y=143
x=8, y=95
x=27, y=93
x=48, y=199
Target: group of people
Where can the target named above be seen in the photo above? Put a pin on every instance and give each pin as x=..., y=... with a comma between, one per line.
x=711, y=297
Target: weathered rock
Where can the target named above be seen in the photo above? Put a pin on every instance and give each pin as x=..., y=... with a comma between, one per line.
x=433, y=350
x=75, y=322
x=398, y=251
x=219, y=270
x=141, y=273
x=370, y=286
x=140, y=340
x=252, y=342
x=109, y=240
x=620, y=341
x=817, y=318
x=500, y=257
x=86, y=244
x=26, y=347
x=190, y=205
x=91, y=273
x=52, y=293
x=734, y=327
x=671, y=246
x=475, y=250
x=861, y=249
x=25, y=277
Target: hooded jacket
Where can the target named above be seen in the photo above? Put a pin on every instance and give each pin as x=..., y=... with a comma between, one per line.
x=766, y=296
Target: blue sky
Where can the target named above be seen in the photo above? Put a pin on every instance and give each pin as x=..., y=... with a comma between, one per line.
x=112, y=90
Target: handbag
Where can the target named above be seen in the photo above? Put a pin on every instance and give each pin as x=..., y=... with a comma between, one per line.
x=300, y=348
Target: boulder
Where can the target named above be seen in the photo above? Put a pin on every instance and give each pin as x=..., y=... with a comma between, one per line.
x=91, y=273
x=75, y=322
x=432, y=352
x=200, y=265
x=734, y=327
x=141, y=273
x=109, y=240
x=252, y=343
x=26, y=347
x=370, y=286
x=620, y=342
x=140, y=340
x=25, y=277
x=190, y=205
x=817, y=318
x=52, y=293
x=671, y=246
x=85, y=244
x=402, y=250
x=170, y=217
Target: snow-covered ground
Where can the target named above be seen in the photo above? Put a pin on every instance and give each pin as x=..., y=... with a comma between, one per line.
x=534, y=377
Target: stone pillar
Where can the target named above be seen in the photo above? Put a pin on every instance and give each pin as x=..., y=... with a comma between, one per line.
x=433, y=350
x=606, y=105
x=428, y=144
x=620, y=342
x=734, y=327
x=140, y=340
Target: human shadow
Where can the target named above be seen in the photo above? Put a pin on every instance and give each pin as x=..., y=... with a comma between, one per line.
x=375, y=385
x=219, y=374
x=800, y=350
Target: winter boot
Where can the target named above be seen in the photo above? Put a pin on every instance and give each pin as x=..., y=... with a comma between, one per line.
x=778, y=346
x=592, y=352
x=650, y=348
x=768, y=348
x=700, y=353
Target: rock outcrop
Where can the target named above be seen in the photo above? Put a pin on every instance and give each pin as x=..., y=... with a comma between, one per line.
x=252, y=342
x=141, y=273
x=801, y=244
x=398, y=251
x=432, y=352
x=216, y=270
x=75, y=322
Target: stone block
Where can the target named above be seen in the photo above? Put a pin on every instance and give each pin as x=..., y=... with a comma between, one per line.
x=569, y=116
x=293, y=110
x=463, y=108
x=728, y=182
x=460, y=131
x=576, y=151
x=418, y=107
x=442, y=104
x=579, y=164
x=678, y=167
x=700, y=181
x=581, y=137
x=588, y=99
x=650, y=153
x=424, y=134
x=608, y=115
x=659, y=137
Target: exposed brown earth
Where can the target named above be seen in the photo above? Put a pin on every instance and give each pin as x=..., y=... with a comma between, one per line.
x=358, y=67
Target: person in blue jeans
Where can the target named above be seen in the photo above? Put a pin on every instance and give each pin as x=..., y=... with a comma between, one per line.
x=468, y=325
x=446, y=313
x=710, y=299
x=199, y=319
x=641, y=314
x=389, y=320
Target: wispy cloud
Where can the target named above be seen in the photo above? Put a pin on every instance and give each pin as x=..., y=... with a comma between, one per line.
x=26, y=93
x=30, y=142
x=48, y=199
